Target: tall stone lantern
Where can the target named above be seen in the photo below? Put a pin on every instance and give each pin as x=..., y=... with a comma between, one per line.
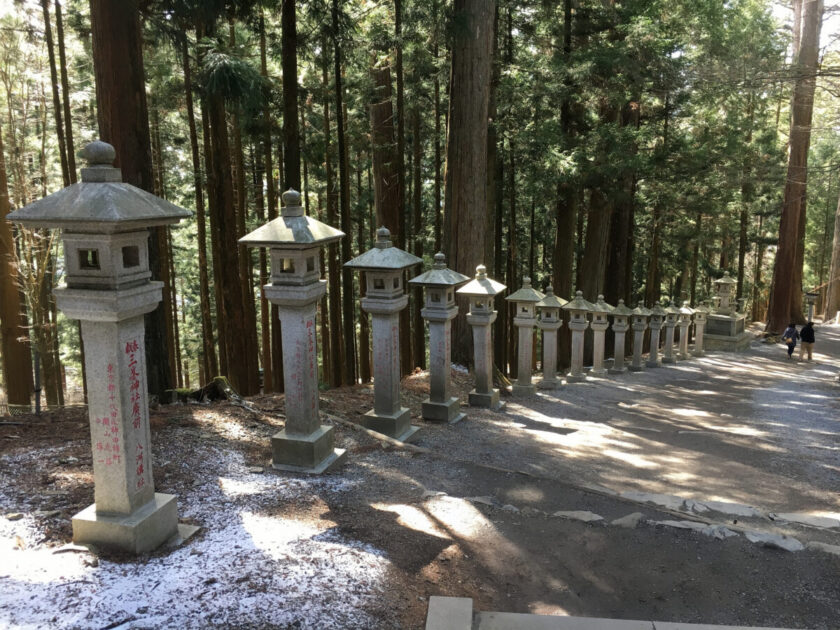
x=578, y=322
x=294, y=242
x=439, y=311
x=482, y=291
x=549, y=322
x=599, y=324
x=700, y=315
x=684, y=322
x=639, y=323
x=525, y=318
x=657, y=321
x=810, y=300
x=384, y=299
x=724, y=294
x=104, y=225
x=621, y=315
x=672, y=317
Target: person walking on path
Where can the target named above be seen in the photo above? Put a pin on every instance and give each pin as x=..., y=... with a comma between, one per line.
x=807, y=337
x=789, y=337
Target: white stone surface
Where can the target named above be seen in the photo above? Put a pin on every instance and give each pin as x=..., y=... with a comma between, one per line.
x=579, y=515
x=774, y=541
x=631, y=521
x=809, y=519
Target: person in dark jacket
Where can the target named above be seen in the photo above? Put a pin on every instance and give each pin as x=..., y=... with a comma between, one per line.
x=789, y=337
x=807, y=337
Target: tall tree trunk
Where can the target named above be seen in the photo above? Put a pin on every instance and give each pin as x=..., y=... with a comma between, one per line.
x=17, y=359
x=465, y=210
x=211, y=366
x=124, y=122
x=438, y=185
x=65, y=90
x=386, y=193
x=57, y=108
x=419, y=352
x=291, y=137
x=785, y=293
x=271, y=198
x=347, y=305
x=832, y=297
x=595, y=250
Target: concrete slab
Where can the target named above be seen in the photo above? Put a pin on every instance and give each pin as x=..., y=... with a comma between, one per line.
x=449, y=613
x=143, y=530
x=337, y=458
x=514, y=621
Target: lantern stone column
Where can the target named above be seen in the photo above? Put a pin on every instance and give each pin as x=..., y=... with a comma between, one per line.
x=524, y=302
x=700, y=314
x=620, y=326
x=671, y=317
x=104, y=223
x=684, y=322
x=640, y=325
x=599, y=324
x=577, y=308
x=657, y=321
x=294, y=242
x=482, y=291
x=384, y=299
x=549, y=322
x=439, y=311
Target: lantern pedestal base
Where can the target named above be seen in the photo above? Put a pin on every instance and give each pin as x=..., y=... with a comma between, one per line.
x=614, y=370
x=549, y=383
x=523, y=390
x=397, y=425
x=577, y=378
x=146, y=529
x=314, y=453
x=449, y=411
x=636, y=368
x=598, y=371
x=669, y=360
x=489, y=400
x=698, y=353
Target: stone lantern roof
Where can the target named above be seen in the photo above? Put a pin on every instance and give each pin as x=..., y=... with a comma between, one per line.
x=526, y=294
x=685, y=309
x=550, y=300
x=622, y=310
x=101, y=203
x=292, y=229
x=702, y=308
x=601, y=306
x=579, y=304
x=383, y=256
x=671, y=309
x=726, y=279
x=658, y=311
x=481, y=286
x=641, y=310
x=439, y=275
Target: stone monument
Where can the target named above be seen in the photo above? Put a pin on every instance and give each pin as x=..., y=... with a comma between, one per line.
x=684, y=322
x=700, y=315
x=599, y=324
x=725, y=326
x=578, y=322
x=104, y=226
x=294, y=241
x=440, y=310
x=657, y=321
x=549, y=322
x=639, y=324
x=620, y=326
x=482, y=291
x=525, y=318
x=672, y=316
x=385, y=298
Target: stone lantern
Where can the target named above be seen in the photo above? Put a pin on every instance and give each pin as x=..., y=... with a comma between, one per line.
x=672, y=318
x=599, y=324
x=657, y=321
x=684, y=322
x=439, y=311
x=549, y=322
x=700, y=315
x=525, y=318
x=810, y=300
x=724, y=294
x=620, y=326
x=294, y=241
x=639, y=322
x=104, y=225
x=481, y=291
x=577, y=309
x=384, y=299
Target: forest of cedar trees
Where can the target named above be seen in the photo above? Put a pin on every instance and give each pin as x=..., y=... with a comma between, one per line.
x=637, y=149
